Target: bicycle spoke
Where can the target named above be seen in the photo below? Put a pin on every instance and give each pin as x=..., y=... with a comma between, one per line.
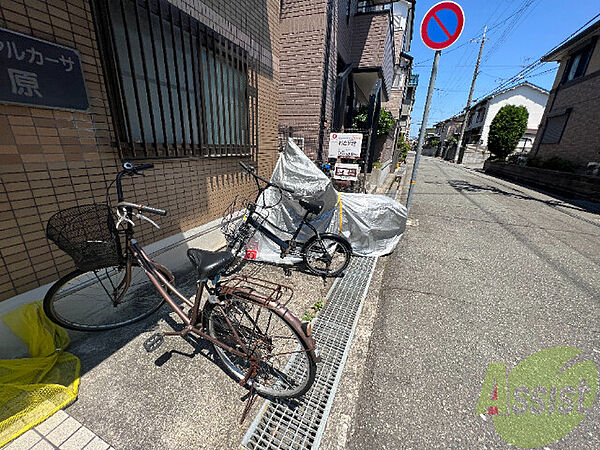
x=284, y=365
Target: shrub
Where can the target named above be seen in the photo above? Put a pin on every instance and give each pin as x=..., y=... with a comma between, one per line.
x=534, y=161
x=385, y=122
x=506, y=129
x=558, y=163
x=517, y=158
x=377, y=164
x=512, y=159
x=451, y=142
x=404, y=148
x=434, y=142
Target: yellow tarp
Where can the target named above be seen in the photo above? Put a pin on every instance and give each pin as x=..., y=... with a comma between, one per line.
x=32, y=389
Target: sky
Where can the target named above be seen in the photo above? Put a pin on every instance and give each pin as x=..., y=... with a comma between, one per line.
x=513, y=43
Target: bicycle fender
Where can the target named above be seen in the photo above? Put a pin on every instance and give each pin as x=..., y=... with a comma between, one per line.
x=324, y=235
x=310, y=341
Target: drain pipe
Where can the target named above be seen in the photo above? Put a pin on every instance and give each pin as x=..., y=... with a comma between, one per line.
x=325, y=80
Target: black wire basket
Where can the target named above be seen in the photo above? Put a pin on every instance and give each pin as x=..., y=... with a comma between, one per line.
x=232, y=222
x=87, y=234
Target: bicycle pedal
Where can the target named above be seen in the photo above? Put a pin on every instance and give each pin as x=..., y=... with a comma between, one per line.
x=154, y=342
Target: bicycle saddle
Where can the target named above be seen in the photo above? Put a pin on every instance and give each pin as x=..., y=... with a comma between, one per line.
x=314, y=207
x=209, y=264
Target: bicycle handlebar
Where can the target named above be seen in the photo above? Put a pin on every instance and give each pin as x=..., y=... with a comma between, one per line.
x=143, y=208
x=130, y=169
x=250, y=170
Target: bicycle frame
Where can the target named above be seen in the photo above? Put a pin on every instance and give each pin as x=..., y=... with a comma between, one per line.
x=154, y=271
x=283, y=245
x=193, y=320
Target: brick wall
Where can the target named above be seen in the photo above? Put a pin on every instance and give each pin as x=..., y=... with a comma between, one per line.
x=52, y=159
x=362, y=41
x=345, y=28
x=580, y=142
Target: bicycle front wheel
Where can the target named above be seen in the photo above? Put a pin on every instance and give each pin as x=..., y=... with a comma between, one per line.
x=89, y=301
x=286, y=369
x=327, y=255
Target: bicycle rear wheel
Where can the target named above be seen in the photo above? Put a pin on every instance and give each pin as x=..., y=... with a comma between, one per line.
x=286, y=369
x=327, y=255
x=87, y=301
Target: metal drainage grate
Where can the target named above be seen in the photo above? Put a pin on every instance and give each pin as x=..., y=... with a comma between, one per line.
x=299, y=424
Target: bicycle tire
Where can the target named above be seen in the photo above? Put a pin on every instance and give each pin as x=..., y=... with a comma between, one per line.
x=79, y=300
x=316, y=247
x=289, y=376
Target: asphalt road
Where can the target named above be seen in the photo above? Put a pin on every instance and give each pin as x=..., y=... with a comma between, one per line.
x=488, y=271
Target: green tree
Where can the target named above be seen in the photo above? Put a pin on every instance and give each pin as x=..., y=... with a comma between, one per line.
x=506, y=129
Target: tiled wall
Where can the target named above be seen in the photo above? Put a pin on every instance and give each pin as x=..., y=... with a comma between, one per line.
x=52, y=159
x=580, y=142
x=303, y=26
x=363, y=41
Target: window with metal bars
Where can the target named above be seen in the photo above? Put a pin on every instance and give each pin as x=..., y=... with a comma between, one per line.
x=176, y=87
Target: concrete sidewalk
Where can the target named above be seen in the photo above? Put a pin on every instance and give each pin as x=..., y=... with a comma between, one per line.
x=179, y=396
x=176, y=397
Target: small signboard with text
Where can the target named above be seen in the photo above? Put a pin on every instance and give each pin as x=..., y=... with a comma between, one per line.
x=346, y=171
x=40, y=73
x=345, y=145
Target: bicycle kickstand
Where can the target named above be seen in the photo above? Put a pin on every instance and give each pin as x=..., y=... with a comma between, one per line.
x=252, y=393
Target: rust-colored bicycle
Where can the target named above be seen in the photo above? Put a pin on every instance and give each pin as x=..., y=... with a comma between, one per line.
x=261, y=343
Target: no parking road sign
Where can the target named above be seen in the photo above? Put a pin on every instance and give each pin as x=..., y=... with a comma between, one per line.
x=442, y=25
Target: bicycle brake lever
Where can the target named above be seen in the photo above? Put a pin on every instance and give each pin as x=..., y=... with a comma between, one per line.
x=122, y=214
x=141, y=216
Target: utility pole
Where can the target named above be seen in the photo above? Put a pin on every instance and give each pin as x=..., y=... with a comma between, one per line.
x=413, y=179
x=459, y=151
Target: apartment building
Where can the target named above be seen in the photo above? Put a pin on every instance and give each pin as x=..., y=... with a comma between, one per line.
x=336, y=56
x=446, y=129
x=85, y=85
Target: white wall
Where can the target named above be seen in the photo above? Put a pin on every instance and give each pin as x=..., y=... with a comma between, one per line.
x=531, y=98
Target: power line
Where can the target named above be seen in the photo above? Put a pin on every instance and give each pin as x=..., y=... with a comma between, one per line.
x=542, y=73
x=516, y=18
x=536, y=64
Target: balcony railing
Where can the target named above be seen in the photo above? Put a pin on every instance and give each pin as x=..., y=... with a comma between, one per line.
x=414, y=80
x=371, y=6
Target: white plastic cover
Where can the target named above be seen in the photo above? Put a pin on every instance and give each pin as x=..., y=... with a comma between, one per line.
x=373, y=224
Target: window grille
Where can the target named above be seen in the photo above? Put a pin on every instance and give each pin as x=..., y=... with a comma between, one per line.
x=177, y=88
x=371, y=6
